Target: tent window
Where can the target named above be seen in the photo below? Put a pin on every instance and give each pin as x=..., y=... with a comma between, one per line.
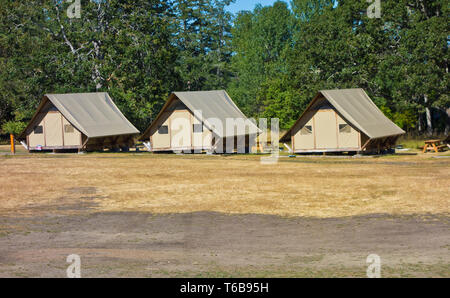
x=345, y=128
x=306, y=130
x=163, y=130
x=198, y=128
x=68, y=128
x=39, y=130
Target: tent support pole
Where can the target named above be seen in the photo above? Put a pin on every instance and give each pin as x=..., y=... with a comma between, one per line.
x=84, y=144
x=289, y=148
x=214, y=147
x=365, y=145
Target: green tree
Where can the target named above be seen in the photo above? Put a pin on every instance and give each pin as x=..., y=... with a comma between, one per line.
x=121, y=47
x=203, y=41
x=261, y=39
x=424, y=58
x=272, y=60
x=400, y=58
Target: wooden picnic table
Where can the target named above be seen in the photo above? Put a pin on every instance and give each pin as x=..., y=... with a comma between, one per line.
x=433, y=145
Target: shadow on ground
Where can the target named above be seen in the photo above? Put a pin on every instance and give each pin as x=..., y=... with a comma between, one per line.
x=207, y=244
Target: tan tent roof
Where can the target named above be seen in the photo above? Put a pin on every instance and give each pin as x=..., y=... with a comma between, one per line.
x=94, y=114
x=357, y=108
x=215, y=104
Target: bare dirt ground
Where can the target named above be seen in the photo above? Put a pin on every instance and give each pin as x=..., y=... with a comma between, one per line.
x=169, y=216
x=206, y=244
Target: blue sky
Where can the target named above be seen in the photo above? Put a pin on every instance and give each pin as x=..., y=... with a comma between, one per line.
x=248, y=4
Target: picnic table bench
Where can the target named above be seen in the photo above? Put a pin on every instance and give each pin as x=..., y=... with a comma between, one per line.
x=435, y=145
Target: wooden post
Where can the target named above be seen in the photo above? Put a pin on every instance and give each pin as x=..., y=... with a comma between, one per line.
x=13, y=147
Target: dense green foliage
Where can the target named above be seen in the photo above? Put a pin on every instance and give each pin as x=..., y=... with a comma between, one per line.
x=272, y=60
x=400, y=59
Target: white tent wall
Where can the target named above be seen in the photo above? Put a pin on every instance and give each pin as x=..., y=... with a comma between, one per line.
x=324, y=130
x=174, y=130
x=51, y=130
x=36, y=135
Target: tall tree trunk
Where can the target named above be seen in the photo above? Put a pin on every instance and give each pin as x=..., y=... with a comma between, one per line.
x=428, y=115
x=447, y=122
x=429, y=122
x=420, y=128
x=96, y=75
x=102, y=25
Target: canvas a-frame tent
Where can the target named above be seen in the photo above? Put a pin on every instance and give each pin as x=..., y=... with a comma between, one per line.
x=197, y=121
x=79, y=121
x=343, y=120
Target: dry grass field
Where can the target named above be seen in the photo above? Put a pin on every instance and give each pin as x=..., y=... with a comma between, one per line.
x=120, y=210
x=308, y=186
